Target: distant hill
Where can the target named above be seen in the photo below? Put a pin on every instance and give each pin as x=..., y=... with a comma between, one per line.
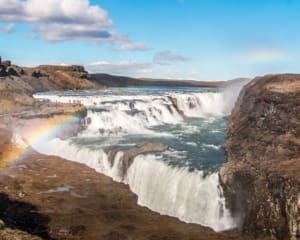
x=120, y=81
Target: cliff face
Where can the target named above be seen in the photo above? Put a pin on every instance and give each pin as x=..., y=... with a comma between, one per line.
x=66, y=77
x=262, y=176
x=17, y=84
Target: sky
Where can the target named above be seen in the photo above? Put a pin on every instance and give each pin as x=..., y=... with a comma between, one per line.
x=175, y=39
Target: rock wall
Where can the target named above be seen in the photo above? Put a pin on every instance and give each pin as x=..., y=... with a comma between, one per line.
x=17, y=84
x=262, y=176
x=71, y=68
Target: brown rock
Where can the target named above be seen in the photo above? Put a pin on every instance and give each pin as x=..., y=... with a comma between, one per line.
x=175, y=105
x=3, y=72
x=18, y=84
x=2, y=225
x=53, y=68
x=11, y=71
x=6, y=63
x=129, y=153
x=261, y=179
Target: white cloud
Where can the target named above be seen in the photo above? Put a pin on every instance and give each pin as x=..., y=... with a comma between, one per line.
x=10, y=10
x=141, y=69
x=8, y=28
x=62, y=20
x=165, y=57
x=131, y=68
x=158, y=67
x=53, y=11
x=133, y=47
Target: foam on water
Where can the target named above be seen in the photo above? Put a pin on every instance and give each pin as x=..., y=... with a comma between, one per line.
x=120, y=115
x=178, y=192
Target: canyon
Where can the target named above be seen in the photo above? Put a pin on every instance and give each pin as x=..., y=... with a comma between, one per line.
x=40, y=194
x=44, y=197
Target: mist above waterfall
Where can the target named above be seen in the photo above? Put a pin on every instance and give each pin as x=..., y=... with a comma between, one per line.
x=231, y=92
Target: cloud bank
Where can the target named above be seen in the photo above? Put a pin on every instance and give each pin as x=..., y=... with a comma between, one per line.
x=158, y=65
x=63, y=20
x=121, y=68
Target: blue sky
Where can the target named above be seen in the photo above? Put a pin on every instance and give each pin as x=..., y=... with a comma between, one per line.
x=190, y=39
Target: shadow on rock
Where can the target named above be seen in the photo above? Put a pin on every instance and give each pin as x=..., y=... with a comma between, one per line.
x=23, y=216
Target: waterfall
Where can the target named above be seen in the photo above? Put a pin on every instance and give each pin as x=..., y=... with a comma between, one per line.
x=178, y=192
x=171, y=189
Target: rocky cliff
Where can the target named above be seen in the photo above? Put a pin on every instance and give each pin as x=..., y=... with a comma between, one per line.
x=17, y=84
x=262, y=177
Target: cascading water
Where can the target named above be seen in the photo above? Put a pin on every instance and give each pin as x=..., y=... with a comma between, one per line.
x=178, y=192
x=181, y=181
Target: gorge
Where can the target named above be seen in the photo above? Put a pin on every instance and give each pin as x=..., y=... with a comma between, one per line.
x=258, y=192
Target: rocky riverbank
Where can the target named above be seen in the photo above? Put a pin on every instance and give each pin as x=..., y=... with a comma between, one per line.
x=261, y=179
x=45, y=197
x=50, y=198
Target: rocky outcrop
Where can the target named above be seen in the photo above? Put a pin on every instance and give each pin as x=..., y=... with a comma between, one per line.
x=74, y=76
x=17, y=84
x=64, y=68
x=53, y=77
x=175, y=105
x=261, y=179
x=7, y=233
x=130, y=152
x=15, y=94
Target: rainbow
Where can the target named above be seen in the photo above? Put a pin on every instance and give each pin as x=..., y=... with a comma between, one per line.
x=263, y=55
x=36, y=133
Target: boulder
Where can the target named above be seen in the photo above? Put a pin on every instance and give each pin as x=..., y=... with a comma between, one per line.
x=6, y=63
x=11, y=71
x=3, y=72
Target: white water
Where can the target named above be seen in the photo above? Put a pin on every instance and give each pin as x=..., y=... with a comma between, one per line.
x=120, y=115
x=170, y=190
x=178, y=192
x=202, y=104
x=96, y=159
